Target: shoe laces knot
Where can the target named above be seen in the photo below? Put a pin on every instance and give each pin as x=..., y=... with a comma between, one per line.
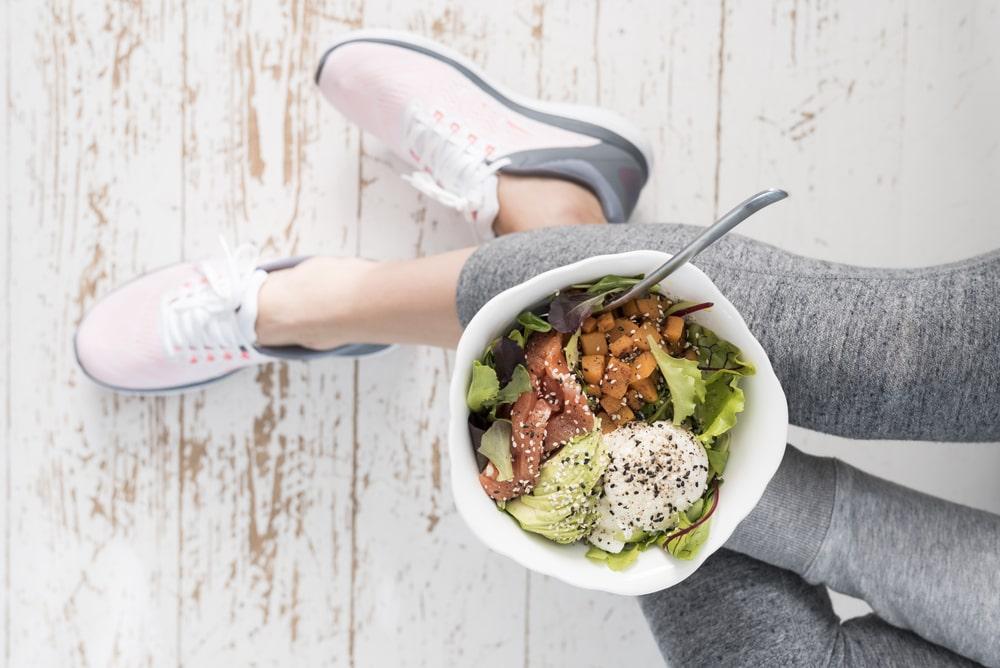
x=202, y=314
x=454, y=166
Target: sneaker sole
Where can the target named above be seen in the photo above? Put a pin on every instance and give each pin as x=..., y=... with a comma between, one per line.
x=594, y=122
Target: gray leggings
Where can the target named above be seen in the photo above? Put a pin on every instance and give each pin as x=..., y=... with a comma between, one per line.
x=862, y=353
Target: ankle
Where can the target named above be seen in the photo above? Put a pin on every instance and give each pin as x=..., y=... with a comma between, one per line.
x=530, y=202
x=310, y=304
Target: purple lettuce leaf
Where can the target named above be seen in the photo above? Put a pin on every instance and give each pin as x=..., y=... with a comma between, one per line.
x=569, y=309
x=506, y=356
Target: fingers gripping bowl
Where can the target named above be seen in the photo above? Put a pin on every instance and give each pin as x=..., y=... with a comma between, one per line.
x=755, y=444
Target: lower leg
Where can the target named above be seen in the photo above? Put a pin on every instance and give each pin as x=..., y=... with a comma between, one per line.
x=326, y=301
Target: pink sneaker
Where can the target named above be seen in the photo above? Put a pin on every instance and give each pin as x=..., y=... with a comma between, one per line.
x=183, y=326
x=442, y=115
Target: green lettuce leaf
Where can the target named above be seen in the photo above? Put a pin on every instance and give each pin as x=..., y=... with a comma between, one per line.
x=622, y=560
x=483, y=389
x=533, y=323
x=572, y=351
x=686, y=547
x=517, y=337
x=718, y=456
x=496, y=448
x=687, y=388
x=717, y=413
x=611, y=283
x=616, y=562
x=520, y=382
x=715, y=353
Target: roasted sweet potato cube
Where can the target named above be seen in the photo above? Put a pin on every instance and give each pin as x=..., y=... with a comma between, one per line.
x=673, y=330
x=617, y=376
x=589, y=325
x=646, y=389
x=648, y=308
x=621, y=346
x=592, y=390
x=630, y=309
x=593, y=368
x=605, y=322
x=594, y=343
x=634, y=399
x=644, y=365
x=623, y=327
x=646, y=329
x=607, y=424
x=623, y=415
x=611, y=404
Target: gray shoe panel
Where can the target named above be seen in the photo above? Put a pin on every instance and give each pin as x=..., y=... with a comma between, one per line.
x=610, y=173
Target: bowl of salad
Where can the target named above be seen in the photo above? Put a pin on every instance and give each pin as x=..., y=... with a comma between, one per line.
x=613, y=450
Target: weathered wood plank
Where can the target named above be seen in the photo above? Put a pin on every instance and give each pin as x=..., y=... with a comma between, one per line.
x=93, y=522
x=659, y=67
x=6, y=326
x=266, y=459
x=422, y=580
x=879, y=119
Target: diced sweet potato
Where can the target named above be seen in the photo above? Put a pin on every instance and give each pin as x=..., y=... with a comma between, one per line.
x=589, y=325
x=610, y=404
x=605, y=322
x=644, y=365
x=594, y=343
x=593, y=390
x=673, y=330
x=621, y=346
x=623, y=415
x=646, y=329
x=607, y=424
x=617, y=376
x=593, y=368
x=646, y=389
x=634, y=399
x=648, y=308
x=623, y=327
x=630, y=309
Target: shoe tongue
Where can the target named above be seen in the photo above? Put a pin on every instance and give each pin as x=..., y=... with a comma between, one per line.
x=485, y=214
x=246, y=314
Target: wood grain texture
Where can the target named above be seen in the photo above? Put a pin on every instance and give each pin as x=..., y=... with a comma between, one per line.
x=301, y=514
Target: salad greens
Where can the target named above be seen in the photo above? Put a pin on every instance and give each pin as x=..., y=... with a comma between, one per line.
x=533, y=323
x=687, y=388
x=484, y=388
x=485, y=391
x=495, y=446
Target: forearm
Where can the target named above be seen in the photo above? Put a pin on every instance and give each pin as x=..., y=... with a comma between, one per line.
x=921, y=563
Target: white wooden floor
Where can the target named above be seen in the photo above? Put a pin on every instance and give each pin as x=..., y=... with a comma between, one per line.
x=301, y=515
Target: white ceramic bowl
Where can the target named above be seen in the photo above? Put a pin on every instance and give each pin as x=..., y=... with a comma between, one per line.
x=757, y=445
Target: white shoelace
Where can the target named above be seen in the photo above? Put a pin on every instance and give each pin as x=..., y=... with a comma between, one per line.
x=455, y=165
x=201, y=316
